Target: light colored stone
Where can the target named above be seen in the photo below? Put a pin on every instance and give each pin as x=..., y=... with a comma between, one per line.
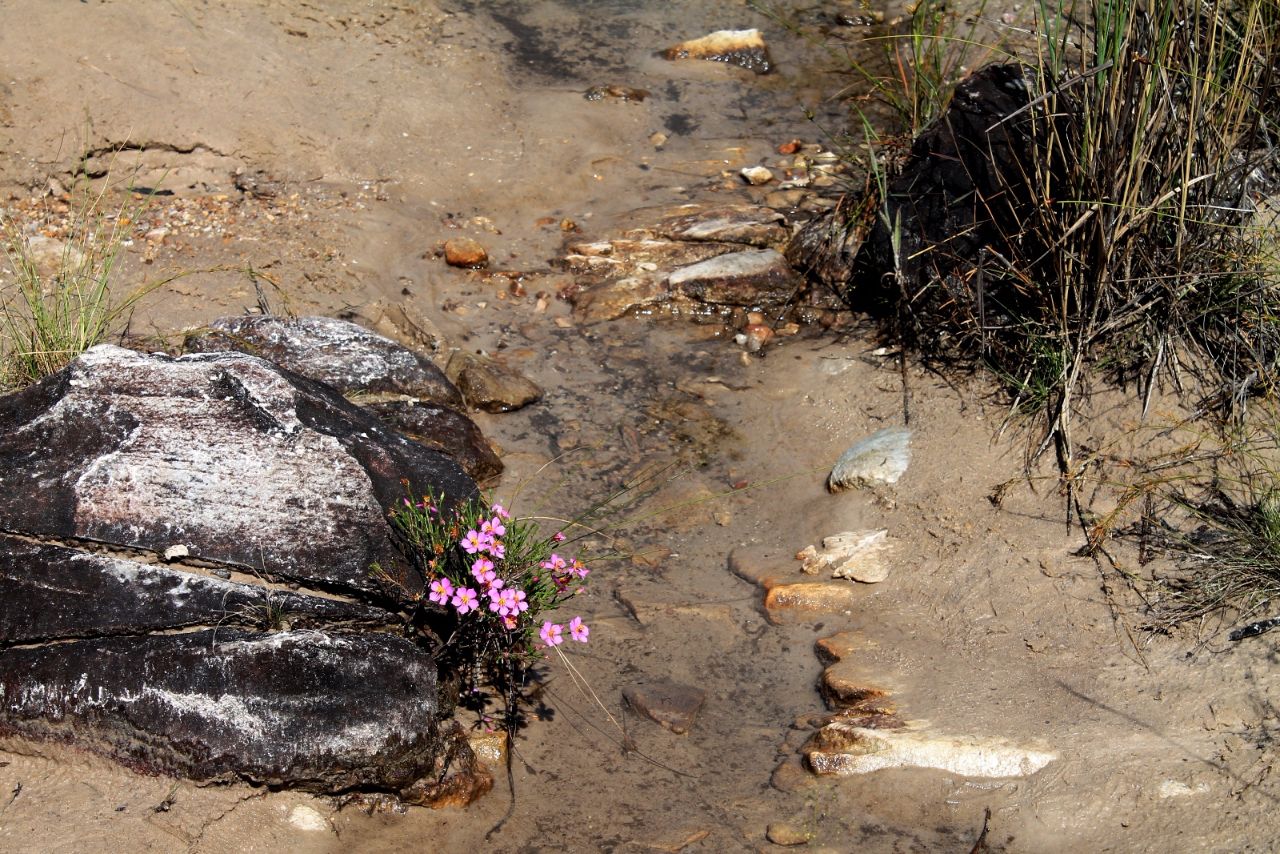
x=175, y=552
x=752, y=277
x=756, y=175
x=857, y=555
x=309, y=819
x=881, y=458
x=744, y=48
x=840, y=749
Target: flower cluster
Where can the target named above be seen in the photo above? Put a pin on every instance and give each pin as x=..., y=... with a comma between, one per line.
x=493, y=570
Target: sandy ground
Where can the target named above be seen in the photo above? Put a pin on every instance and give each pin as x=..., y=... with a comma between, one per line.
x=366, y=134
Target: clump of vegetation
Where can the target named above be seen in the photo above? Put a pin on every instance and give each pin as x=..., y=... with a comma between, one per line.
x=52, y=309
x=1094, y=210
x=1091, y=209
x=491, y=581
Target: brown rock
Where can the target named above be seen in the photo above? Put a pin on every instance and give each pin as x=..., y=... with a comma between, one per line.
x=756, y=277
x=785, y=833
x=444, y=429
x=670, y=704
x=744, y=48
x=801, y=600
x=465, y=252
x=489, y=385
x=610, y=300
x=753, y=567
x=752, y=225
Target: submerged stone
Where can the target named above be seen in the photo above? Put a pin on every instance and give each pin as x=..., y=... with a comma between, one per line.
x=844, y=749
x=669, y=704
x=611, y=300
x=489, y=385
x=752, y=225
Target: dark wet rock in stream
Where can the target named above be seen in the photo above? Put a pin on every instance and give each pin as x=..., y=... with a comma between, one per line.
x=490, y=385
x=337, y=352
x=244, y=477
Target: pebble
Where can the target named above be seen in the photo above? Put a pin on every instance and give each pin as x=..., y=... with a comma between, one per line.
x=308, y=818
x=786, y=834
x=881, y=458
x=670, y=704
x=756, y=175
x=465, y=252
x=857, y=555
x=754, y=336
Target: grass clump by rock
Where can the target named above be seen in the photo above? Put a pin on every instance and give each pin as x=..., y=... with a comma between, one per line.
x=63, y=297
x=1097, y=209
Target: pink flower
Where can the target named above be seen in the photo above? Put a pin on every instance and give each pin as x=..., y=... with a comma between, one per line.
x=474, y=541
x=496, y=549
x=509, y=622
x=441, y=590
x=500, y=511
x=579, y=630
x=517, y=600
x=578, y=569
x=497, y=602
x=558, y=536
x=555, y=563
x=551, y=632
x=493, y=527
x=482, y=571
x=465, y=600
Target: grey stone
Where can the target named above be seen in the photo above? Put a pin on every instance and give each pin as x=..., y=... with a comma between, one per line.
x=754, y=277
x=336, y=352
x=881, y=458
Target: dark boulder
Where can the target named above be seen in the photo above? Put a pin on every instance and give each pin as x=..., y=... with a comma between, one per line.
x=204, y=666
x=963, y=190
x=444, y=429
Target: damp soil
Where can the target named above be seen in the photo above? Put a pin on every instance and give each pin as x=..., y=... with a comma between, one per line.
x=333, y=147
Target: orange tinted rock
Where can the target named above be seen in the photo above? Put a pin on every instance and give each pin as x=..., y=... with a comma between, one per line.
x=465, y=252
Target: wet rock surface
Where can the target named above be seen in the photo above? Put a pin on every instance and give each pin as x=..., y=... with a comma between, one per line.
x=881, y=458
x=670, y=704
x=241, y=475
x=489, y=385
x=443, y=429
x=721, y=257
x=337, y=352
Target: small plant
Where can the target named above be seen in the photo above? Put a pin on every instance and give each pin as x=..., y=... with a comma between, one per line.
x=56, y=308
x=491, y=581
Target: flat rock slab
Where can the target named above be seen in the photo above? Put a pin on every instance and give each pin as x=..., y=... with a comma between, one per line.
x=308, y=709
x=881, y=458
x=670, y=704
x=803, y=600
x=743, y=48
x=753, y=277
x=220, y=452
x=336, y=352
x=843, y=749
x=611, y=300
x=752, y=225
